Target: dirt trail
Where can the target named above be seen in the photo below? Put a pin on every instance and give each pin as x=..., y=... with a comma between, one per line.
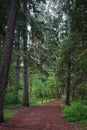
x=42, y=117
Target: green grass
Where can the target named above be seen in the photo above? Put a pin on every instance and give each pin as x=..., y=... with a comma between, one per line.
x=8, y=114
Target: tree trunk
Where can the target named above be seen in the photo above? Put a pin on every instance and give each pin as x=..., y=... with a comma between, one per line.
x=7, y=54
x=17, y=76
x=26, y=93
x=69, y=55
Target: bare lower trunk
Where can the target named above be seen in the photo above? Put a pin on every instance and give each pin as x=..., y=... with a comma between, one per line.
x=26, y=93
x=17, y=76
x=69, y=55
x=7, y=55
x=68, y=82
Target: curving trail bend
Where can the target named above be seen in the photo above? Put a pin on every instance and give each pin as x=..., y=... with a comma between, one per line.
x=43, y=117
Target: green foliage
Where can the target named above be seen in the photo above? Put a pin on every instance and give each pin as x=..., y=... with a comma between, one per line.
x=43, y=87
x=34, y=101
x=48, y=49
x=76, y=112
x=50, y=87
x=11, y=106
x=9, y=98
x=82, y=91
x=82, y=60
x=8, y=113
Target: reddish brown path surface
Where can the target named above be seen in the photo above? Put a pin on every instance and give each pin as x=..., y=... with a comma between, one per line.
x=42, y=117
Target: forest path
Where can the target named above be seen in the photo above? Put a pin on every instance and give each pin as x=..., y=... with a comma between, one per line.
x=43, y=117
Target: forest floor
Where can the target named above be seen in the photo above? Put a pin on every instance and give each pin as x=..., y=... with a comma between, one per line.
x=42, y=117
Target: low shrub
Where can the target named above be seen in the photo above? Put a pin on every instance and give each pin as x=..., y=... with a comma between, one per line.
x=75, y=112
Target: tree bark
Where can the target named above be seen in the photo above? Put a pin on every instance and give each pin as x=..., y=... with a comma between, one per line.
x=26, y=93
x=69, y=55
x=7, y=54
x=17, y=76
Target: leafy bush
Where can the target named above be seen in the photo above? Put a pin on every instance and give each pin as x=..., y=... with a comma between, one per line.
x=76, y=112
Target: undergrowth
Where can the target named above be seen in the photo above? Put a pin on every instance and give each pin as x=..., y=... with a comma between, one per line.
x=75, y=112
x=8, y=113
